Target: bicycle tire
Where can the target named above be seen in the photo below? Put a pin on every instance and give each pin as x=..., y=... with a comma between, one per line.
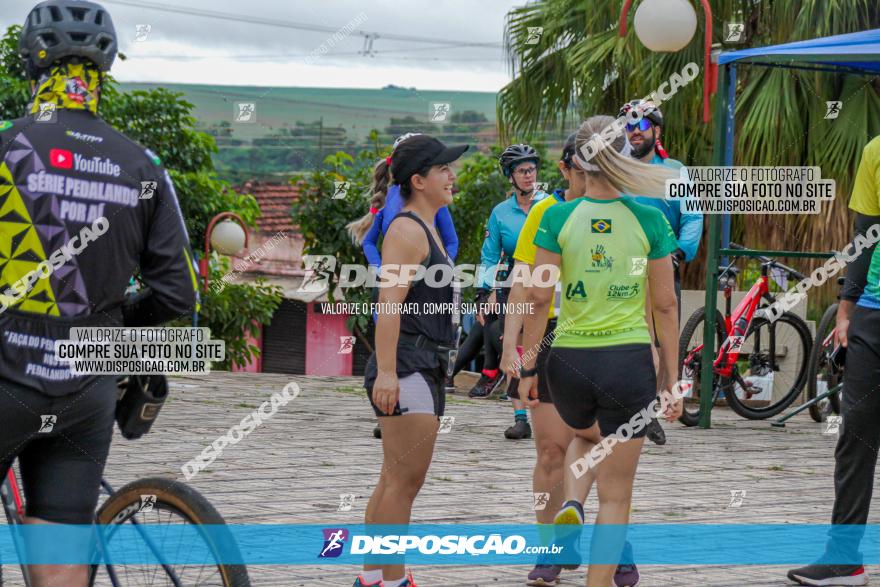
x=817, y=354
x=760, y=413
x=690, y=417
x=184, y=500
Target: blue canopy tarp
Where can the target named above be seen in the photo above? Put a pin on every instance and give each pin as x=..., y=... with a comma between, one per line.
x=852, y=51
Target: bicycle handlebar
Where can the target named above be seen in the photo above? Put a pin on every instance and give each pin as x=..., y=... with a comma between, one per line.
x=767, y=260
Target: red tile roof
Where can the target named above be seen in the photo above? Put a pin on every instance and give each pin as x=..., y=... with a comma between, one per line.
x=275, y=201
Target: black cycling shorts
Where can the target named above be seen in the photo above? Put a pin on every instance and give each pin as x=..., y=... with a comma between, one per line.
x=61, y=444
x=610, y=384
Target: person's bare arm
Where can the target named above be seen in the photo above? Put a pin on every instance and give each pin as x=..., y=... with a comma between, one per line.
x=844, y=313
x=665, y=311
x=405, y=245
x=649, y=318
x=534, y=324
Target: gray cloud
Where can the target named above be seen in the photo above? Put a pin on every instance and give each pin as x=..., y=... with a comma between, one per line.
x=462, y=20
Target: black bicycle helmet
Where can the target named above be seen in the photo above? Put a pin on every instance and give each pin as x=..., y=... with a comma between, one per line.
x=515, y=154
x=56, y=29
x=568, y=149
x=636, y=109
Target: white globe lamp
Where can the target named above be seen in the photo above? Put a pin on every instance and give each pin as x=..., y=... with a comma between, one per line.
x=227, y=238
x=665, y=25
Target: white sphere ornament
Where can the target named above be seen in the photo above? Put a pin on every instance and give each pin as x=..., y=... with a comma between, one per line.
x=665, y=25
x=227, y=237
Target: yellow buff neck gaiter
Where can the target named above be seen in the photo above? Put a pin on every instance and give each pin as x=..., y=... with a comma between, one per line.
x=71, y=86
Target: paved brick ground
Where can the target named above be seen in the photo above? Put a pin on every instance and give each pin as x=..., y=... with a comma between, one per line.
x=293, y=468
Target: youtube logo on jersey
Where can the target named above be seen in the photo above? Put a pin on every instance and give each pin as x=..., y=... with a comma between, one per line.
x=61, y=158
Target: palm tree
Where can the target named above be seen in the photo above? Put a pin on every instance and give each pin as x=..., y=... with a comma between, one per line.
x=581, y=66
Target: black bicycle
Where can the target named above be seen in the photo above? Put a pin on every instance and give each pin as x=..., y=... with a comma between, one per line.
x=152, y=501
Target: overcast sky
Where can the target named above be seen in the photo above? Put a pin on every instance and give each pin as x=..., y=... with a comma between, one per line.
x=245, y=53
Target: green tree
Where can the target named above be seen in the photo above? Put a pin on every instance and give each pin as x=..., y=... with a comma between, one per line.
x=583, y=67
x=14, y=90
x=322, y=219
x=163, y=122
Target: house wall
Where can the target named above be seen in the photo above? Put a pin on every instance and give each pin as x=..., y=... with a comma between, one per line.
x=323, y=344
x=255, y=365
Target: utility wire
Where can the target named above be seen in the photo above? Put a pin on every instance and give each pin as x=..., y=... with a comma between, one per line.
x=286, y=24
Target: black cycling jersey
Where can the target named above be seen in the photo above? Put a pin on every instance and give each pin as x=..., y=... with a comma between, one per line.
x=82, y=209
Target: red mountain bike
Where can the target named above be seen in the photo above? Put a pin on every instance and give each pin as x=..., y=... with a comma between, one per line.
x=760, y=365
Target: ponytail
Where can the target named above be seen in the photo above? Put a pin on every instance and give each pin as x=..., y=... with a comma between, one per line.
x=625, y=174
x=379, y=188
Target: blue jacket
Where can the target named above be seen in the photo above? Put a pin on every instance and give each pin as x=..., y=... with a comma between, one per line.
x=393, y=205
x=502, y=232
x=687, y=226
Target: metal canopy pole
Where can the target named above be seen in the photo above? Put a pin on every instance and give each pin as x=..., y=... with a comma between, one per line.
x=723, y=116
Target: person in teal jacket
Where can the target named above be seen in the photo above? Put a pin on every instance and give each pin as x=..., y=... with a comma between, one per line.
x=643, y=131
x=520, y=164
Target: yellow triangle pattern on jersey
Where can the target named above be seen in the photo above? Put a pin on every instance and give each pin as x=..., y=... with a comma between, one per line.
x=40, y=299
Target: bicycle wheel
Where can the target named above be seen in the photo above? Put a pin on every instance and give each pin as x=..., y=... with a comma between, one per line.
x=821, y=375
x=690, y=363
x=771, y=369
x=175, y=503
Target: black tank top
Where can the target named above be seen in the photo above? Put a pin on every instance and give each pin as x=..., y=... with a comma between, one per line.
x=433, y=325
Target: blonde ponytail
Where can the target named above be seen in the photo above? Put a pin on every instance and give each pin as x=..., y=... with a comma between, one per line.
x=610, y=161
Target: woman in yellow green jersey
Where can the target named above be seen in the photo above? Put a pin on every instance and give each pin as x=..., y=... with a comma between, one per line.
x=610, y=250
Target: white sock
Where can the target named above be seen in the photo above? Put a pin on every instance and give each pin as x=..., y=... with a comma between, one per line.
x=395, y=582
x=372, y=577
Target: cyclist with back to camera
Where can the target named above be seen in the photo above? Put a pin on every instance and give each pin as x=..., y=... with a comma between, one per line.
x=600, y=366
x=643, y=131
x=75, y=230
x=519, y=163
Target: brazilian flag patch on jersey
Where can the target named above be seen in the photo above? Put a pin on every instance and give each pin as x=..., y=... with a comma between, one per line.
x=601, y=225
x=5, y=125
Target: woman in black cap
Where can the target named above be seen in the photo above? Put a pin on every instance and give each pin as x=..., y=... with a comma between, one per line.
x=404, y=377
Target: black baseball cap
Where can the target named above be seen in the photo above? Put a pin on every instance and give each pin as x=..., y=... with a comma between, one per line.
x=418, y=152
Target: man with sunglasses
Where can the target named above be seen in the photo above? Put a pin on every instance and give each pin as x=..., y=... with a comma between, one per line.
x=643, y=133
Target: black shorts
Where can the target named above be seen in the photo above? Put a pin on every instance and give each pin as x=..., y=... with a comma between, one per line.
x=61, y=444
x=421, y=385
x=610, y=384
x=541, y=364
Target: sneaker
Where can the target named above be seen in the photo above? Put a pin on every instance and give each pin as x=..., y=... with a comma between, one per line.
x=449, y=384
x=656, y=433
x=520, y=429
x=829, y=575
x=572, y=513
x=359, y=582
x=626, y=576
x=377, y=432
x=484, y=387
x=544, y=575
